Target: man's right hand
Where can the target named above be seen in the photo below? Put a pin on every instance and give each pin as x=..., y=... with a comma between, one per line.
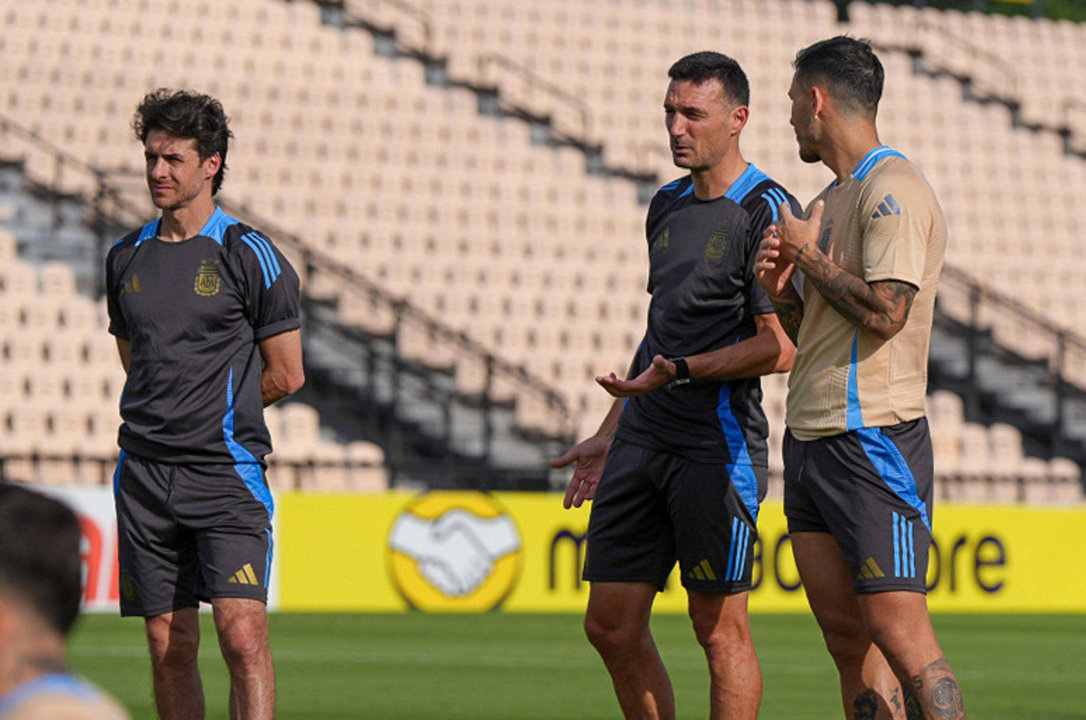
x=774, y=273
x=589, y=455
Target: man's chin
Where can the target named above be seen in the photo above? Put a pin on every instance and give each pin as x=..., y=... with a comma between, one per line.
x=809, y=156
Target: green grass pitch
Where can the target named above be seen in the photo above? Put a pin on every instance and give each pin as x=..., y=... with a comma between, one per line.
x=535, y=667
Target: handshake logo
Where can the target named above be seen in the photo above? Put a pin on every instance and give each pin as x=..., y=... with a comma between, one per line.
x=454, y=550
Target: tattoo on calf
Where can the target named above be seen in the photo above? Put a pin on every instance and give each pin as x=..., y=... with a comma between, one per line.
x=866, y=705
x=943, y=696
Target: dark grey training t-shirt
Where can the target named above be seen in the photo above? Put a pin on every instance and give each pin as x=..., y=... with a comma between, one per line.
x=194, y=312
x=705, y=297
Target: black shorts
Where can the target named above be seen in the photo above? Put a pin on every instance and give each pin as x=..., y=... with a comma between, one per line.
x=652, y=508
x=871, y=489
x=187, y=533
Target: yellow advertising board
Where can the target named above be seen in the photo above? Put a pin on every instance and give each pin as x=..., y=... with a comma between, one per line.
x=522, y=552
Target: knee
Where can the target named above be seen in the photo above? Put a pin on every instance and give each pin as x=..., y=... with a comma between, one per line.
x=718, y=633
x=173, y=645
x=243, y=642
x=608, y=635
x=847, y=641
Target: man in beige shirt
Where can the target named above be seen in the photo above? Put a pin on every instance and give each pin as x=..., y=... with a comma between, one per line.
x=40, y=591
x=854, y=286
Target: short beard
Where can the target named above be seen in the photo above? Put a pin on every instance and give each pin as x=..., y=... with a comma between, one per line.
x=809, y=156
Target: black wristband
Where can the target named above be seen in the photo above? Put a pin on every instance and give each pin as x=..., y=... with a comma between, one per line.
x=682, y=372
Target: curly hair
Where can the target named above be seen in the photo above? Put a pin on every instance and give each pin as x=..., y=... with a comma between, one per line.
x=188, y=115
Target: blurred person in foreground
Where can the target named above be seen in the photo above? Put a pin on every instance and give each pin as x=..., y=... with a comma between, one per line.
x=677, y=469
x=857, y=452
x=205, y=311
x=40, y=592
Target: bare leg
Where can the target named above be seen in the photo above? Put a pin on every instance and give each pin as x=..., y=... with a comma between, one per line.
x=174, y=639
x=723, y=629
x=869, y=688
x=617, y=625
x=900, y=625
x=242, y=625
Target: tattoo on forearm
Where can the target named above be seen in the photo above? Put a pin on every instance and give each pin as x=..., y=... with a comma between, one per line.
x=938, y=692
x=913, y=711
x=866, y=705
x=790, y=314
x=895, y=700
x=879, y=307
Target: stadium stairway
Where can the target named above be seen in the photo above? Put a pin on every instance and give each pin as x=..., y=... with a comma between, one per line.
x=434, y=434
x=999, y=384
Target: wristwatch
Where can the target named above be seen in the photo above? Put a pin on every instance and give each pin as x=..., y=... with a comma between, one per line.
x=682, y=373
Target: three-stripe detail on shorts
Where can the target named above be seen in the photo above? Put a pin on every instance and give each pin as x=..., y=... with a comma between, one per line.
x=904, y=552
x=737, y=554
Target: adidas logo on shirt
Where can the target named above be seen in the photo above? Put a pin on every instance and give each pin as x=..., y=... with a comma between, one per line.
x=887, y=207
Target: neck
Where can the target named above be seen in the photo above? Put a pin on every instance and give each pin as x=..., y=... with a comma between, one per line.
x=24, y=659
x=713, y=182
x=183, y=222
x=847, y=148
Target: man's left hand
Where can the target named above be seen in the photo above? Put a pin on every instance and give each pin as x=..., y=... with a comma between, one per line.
x=660, y=373
x=795, y=234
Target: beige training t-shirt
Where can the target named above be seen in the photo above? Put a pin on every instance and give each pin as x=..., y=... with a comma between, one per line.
x=881, y=223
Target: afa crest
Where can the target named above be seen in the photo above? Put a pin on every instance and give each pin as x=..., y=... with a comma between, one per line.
x=718, y=243
x=661, y=241
x=208, y=281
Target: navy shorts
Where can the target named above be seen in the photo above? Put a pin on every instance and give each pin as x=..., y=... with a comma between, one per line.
x=187, y=533
x=652, y=508
x=871, y=489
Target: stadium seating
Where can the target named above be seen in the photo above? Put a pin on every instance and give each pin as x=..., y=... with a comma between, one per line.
x=472, y=216
x=60, y=381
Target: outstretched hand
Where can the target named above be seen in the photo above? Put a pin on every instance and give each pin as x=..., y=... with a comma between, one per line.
x=589, y=455
x=660, y=373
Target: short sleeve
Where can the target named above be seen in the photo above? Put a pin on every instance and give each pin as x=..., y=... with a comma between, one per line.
x=895, y=222
x=118, y=326
x=272, y=300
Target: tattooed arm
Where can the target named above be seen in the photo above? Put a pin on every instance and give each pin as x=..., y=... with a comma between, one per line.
x=879, y=307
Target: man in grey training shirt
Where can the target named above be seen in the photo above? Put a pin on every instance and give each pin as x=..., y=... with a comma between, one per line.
x=206, y=315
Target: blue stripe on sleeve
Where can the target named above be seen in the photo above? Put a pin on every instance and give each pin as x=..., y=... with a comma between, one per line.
x=260, y=257
x=273, y=262
x=269, y=256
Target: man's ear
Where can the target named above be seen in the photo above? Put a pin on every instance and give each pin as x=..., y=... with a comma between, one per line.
x=738, y=118
x=819, y=101
x=212, y=165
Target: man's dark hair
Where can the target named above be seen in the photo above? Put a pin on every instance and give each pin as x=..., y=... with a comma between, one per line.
x=701, y=67
x=187, y=115
x=847, y=68
x=40, y=566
